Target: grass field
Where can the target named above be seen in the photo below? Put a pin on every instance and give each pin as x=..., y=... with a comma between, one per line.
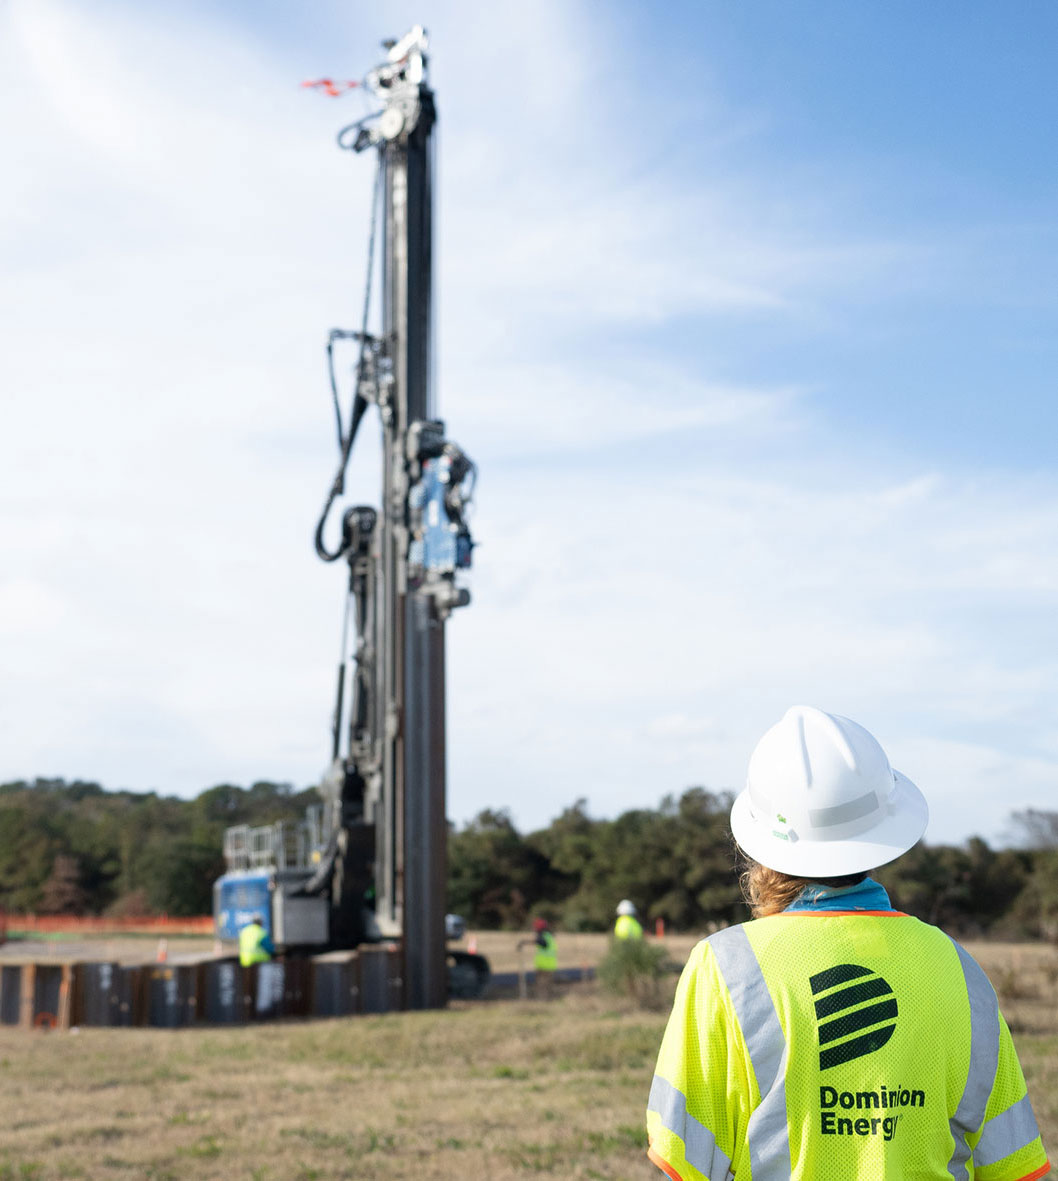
x=494, y=1091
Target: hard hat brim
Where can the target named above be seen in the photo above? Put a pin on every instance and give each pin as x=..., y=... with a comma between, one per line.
x=897, y=831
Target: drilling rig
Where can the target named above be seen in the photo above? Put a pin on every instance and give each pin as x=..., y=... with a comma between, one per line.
x=368, y=863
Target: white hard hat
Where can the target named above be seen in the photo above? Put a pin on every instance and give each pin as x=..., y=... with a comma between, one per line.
x=626, y=907
x=822, y=801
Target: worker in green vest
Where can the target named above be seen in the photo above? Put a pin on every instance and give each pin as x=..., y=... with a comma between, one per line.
x=833, y=1038
x=545, y=958
x=627, y=925
x=255, y=946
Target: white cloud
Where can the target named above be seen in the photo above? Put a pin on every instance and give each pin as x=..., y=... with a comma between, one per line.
x=28, y=608
x=679, y=725
x=544, y=407
x=663, y=607
x=973, y=787
x=657, y=579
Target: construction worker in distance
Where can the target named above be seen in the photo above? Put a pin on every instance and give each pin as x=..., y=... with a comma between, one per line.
x=833, y=1038
x=545, y=958
x=627, y=925
x=255, y=945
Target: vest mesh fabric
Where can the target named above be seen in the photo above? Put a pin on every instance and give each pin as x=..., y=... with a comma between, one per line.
x=821, y=1046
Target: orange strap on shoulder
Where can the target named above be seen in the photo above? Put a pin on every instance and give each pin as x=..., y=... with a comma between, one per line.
x=663, y=1165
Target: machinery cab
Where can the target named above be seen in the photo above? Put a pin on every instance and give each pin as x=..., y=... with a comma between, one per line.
x=267, y=870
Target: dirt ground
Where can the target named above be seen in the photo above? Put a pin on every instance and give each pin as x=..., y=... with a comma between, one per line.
x=121, y=949
x=499, y=947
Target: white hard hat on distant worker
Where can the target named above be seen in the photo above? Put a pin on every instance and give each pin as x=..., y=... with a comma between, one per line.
x=821, y=799
x=626, y=907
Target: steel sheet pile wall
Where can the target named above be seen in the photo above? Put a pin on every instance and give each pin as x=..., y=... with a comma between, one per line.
x=282, y=989
x=36, y=995
x=105, y=994
x=10, y=995
x=51, y=995
x=213, y=992
x=172, y=995
x=381, y=979
x=336, y=980
x=225, y=999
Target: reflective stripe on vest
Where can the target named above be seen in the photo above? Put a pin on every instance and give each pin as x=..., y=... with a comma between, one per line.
x=699, y=1143
x=760, y=1005
x=984, y=1058
x=1006, y=1133
x=768, y=1133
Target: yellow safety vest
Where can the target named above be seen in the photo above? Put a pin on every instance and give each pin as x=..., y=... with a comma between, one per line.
x=627, y=927
x=839, y=1046
x=546, y=957
x=250, y=949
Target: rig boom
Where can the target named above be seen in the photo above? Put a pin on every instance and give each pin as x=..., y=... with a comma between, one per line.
x=376, y=856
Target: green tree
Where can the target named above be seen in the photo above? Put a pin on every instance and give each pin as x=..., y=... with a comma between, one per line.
x=179, y=875
x=29, y=844
x=703, y=889
x=129, y=848
x=62, y=893
x=1037, y=907
x=493, y=875
x=675, y=863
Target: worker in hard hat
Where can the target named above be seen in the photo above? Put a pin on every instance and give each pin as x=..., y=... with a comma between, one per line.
x=545, y=958
x=628, y=925
x=255, y=944
x=832, y=1036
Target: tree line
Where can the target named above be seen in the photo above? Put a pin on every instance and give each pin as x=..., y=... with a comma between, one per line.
x=75, y=848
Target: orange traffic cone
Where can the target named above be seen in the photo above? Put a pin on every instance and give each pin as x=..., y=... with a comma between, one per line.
x=472, y=945
x=163, y=951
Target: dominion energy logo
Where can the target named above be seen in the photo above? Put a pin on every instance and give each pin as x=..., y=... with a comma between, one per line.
x=841, y=1010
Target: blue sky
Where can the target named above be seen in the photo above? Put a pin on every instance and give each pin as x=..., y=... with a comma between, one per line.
x=746, y=313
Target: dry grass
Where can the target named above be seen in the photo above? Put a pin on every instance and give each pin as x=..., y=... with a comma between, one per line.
x=1025, y=975
x=498, y=1090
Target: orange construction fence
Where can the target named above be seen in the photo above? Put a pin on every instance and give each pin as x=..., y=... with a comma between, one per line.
x=64, y=924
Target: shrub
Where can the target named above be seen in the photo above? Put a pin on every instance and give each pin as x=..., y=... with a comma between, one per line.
x=633, y=968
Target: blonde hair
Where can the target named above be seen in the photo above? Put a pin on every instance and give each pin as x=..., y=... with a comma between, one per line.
x=767, y=891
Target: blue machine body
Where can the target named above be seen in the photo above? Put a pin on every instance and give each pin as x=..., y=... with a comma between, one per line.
x=444, y=546
x=239, y=896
